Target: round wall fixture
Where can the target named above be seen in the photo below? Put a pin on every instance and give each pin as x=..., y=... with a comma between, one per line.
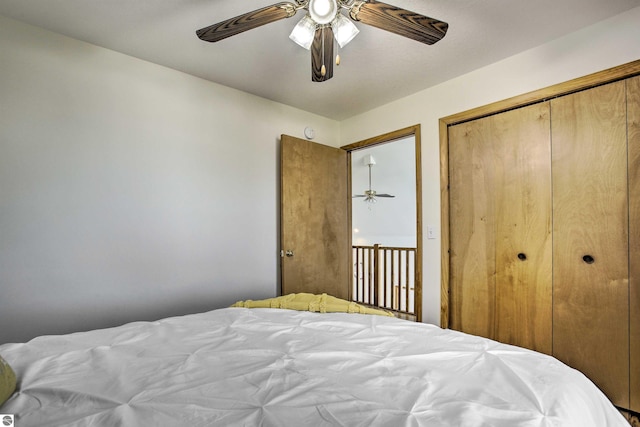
x=309, y=133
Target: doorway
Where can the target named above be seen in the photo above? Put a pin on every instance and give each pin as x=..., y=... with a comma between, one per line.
x=385, y=211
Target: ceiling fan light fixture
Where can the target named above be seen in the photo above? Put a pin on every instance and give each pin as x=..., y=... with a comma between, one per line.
x=323, y=11
x=304, y=32
x=344, y=30
x=370, y=196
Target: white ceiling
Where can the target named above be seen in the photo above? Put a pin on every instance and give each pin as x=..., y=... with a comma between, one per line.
x=377, y=67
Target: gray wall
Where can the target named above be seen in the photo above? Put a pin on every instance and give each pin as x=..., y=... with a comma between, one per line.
x=130, y=191
x=388, y=221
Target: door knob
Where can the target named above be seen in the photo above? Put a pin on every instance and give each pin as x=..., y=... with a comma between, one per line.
x=289, y=253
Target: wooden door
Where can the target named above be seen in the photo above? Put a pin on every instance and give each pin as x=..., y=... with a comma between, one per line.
x=590, y=236
x=633, y=126
x=472, y=218
x=314, y=218
x=500, y=226
x=523, y=227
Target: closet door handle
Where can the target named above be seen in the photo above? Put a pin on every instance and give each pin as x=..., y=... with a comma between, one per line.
x=588, y=259
x=522, y=256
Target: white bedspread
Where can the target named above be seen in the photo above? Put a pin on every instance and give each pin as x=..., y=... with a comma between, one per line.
x=266, y=367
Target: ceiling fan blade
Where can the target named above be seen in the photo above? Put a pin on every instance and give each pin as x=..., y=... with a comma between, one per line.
x=322, y=55
x=399, y=21
x=248, y=21
x=359, y=195
x=384, y=195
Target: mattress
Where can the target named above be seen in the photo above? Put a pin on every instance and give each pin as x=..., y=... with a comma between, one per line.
x=276, y=367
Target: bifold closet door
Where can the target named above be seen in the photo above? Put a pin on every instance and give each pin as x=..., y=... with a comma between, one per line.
x=633, y=123
x=590, y=236
x=500, y=225
x=523, y=227
x=472, y=182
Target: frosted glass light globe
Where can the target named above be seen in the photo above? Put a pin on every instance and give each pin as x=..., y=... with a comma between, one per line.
x=323, y=11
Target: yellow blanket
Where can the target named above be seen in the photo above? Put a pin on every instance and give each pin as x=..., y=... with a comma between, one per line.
x=7, y=381
x=309, y=302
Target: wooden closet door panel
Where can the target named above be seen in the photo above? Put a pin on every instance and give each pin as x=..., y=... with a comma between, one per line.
x=472, y=228
x=590, y=218
x=521, y=140
x=633, y=123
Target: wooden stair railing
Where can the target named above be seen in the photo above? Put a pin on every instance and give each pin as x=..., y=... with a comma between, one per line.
x=384, y=277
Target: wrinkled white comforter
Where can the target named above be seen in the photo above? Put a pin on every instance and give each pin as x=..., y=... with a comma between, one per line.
x=272, y=367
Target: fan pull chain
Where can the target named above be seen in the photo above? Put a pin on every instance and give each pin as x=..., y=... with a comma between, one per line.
x=337, y=47
x=323, y=70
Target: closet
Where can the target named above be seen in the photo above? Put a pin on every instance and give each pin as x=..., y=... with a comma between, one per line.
x=543, y=220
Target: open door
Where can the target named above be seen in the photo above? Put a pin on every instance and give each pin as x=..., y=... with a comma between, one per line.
x=314, y=218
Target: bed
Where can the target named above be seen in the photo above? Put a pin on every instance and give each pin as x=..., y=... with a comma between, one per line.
x=280, y=367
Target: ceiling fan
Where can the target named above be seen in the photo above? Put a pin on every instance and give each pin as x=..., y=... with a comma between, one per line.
x=324, y=21
x=370, y=195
